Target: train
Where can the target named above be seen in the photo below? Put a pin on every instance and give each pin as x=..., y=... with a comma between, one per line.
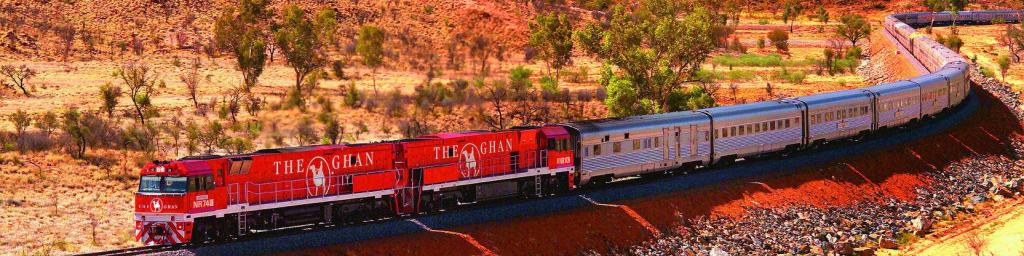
x=213, y=197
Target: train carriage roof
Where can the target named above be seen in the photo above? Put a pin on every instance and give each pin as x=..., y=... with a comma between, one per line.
x=835, y=97
x=632, y=122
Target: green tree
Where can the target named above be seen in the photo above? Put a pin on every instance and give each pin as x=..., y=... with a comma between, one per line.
x=822, y=17
x=243, y=33
x=792, y=9
x=780, y=39
x=1004, y=65
x=21, y=121
x=656, y=47
x=108, y=95
x=302, y=41
x=551, y=35
x=141, y=83
x=955, y=7
x=74, y=125
x=18, y=76
x=47, y=122
x=853, y=27
x=694, y=98
x=369, y=46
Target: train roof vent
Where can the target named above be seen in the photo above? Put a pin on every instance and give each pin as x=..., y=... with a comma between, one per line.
x=283, y=150
x=200, y=157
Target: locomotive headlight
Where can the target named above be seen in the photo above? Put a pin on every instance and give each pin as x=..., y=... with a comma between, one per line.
x=160, y=169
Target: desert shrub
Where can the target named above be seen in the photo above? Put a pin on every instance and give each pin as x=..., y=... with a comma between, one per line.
x=353, y=97
x=294, y=100
x=844, y=65
x=338, y=69
x=760, y=43
x=762, y=21
x=394, y=105
x=795, y=77
x=854, y=52
x=906, y=238
x=748, y=60
x=987, y=72
x=780, y=39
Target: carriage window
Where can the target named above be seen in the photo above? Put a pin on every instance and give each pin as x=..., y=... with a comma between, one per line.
x=742, y=130
x=616, y=147
x=597, y=150
x=725, y=132
x=764, y=126
x=552, y=144
x=757, y=128
x=657, y=142
x=787, y=123
x=771, y=125
x=627, y=136
x=586, y=151
x=636, y=144
x=732, y=131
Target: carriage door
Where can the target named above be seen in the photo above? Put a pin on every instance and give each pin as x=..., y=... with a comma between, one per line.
x=408, y=198
x=665, y=134
x=693, y=140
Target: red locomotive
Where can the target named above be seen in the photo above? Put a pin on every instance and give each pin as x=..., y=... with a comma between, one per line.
x=209, y=197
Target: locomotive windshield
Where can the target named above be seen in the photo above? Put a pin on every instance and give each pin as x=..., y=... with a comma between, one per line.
x=163, y=184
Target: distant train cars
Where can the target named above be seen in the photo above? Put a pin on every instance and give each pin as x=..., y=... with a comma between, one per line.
x=214, y=197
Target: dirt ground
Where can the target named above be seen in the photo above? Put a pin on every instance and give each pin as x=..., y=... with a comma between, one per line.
x=998, y=231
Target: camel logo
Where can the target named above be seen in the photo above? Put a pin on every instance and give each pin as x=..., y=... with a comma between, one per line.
x=317, y=182
x=469, y=165
x=156, y=204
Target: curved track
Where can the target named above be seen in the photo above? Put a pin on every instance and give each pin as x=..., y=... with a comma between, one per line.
x=627, y=212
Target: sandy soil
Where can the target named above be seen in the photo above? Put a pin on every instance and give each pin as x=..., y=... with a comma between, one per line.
x=999, y=230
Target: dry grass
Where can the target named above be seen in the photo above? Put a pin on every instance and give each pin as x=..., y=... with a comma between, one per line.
x=48, y=199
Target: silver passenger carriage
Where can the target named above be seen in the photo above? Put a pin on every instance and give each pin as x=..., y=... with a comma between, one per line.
x=754, y=129
x=934, y=93
x=838, y=115
x=959, y=85
x=620, y=147
x=896, y=103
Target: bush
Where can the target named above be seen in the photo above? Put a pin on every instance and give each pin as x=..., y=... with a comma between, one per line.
x=748, y=60
x=854, y=53
x=985, y=71
x=762, y=22
x=780, y=39
x=338, y=69
x=796, y=77
x=760, y=43
x=353, y=97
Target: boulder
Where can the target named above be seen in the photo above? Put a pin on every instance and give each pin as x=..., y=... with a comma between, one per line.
x=921, y=226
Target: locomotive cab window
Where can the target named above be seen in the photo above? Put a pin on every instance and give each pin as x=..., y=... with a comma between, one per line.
x=158, y=184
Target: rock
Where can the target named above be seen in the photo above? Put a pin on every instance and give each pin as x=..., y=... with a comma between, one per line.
x=888, y=243
x=998, y=198
x=978, y=198
x=921, y=226
x=715, y=251
x=864, y=251
x=844, y=248
x=816, y=250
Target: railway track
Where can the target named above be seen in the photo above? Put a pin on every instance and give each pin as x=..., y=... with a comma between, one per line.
x=137, y=250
